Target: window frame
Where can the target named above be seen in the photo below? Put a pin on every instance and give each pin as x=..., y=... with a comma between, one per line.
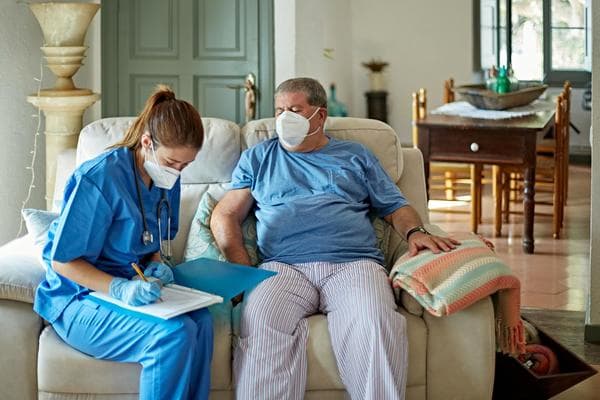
x=555, y=78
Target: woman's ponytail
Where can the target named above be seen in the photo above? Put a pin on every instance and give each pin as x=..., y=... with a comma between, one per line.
x=170, y=122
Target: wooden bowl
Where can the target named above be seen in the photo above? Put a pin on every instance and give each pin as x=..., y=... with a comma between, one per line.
x=480, y=97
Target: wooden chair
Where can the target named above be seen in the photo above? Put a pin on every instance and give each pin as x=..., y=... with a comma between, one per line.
x=451, y=178
x=547, y=146
x=552, y=165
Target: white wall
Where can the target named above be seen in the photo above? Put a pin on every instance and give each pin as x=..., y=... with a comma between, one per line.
x=284, y=15
x=424, y=41
x=20, y=58
x=303, y=30
x=593, y=311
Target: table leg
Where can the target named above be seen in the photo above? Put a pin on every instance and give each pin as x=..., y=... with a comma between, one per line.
x=475, y=196
x=498, y=192
x=528, y=209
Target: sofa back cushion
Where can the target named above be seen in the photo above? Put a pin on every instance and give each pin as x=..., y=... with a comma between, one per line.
x=377, y=136
x=213, y=164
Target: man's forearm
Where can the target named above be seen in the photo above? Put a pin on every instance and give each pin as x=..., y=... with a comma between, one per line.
x=404, y=219
x=229, y=239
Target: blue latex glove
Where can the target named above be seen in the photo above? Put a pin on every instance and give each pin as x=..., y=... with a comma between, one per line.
x=134, y=293
x=161, y=271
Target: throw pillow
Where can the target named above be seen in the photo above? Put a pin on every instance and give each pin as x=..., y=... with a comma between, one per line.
x=201, y=242
x=448, y=282
x=38, y=222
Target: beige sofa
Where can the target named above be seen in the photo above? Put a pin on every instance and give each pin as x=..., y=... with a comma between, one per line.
x=449, y=358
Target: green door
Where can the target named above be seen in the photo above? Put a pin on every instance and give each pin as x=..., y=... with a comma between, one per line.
x=203, y=49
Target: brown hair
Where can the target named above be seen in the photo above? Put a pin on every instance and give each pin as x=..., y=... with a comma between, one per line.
x=169, y=121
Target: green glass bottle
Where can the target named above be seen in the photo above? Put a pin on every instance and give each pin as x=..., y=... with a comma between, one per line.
x=502, y=81
x=334, y=107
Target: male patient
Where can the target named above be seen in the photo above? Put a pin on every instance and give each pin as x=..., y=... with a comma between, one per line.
x=312, y=195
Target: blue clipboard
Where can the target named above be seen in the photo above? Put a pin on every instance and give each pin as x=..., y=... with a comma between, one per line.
x=222, y=278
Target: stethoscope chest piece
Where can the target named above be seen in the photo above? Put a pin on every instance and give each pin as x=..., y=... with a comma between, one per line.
x=147, y=238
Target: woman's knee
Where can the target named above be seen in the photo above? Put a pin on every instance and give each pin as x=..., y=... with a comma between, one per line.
x=202, y=318
x=177, y=331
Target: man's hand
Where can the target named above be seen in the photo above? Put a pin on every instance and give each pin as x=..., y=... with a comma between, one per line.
x=419, y=241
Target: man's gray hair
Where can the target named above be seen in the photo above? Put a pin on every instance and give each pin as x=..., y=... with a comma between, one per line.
x=314, y=91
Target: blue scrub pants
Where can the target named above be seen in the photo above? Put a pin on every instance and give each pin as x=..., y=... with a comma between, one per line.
x=175, y=354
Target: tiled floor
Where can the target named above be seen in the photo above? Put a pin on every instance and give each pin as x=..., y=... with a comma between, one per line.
x=556, y=275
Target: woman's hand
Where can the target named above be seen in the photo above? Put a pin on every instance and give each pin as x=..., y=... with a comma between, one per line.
x=134, y=293
x=161, y=271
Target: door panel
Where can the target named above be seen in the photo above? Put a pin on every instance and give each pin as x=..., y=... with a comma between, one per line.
x=217, y=99
x=153, y=29
x=203, y=49
x=143, y=85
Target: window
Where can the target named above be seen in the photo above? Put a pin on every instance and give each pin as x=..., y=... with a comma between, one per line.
x=545, y=40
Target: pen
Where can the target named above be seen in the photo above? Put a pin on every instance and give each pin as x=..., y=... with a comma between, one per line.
x=138, y=270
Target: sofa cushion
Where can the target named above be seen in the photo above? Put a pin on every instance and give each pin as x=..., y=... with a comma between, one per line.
x=377, y=136
x=62, y=369
x=214, y=163
x=20, y=270
x=322, y=367
x=201, y=242
x=38, y=222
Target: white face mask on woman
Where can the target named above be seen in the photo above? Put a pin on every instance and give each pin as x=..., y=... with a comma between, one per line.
x=163, y=177
x=292, y=128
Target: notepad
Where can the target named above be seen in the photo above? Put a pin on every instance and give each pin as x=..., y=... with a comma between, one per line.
x=177, y=300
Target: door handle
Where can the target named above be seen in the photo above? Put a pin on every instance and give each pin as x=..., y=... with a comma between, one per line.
x=249, y=87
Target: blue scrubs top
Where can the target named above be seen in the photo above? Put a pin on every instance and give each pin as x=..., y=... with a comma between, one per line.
x=315, y=206
x=101, y=223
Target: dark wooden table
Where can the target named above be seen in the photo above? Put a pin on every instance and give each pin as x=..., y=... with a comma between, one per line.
x=483, y=141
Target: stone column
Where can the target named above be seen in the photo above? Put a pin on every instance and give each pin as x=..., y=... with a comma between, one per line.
x=64, y=120
x=64, y=26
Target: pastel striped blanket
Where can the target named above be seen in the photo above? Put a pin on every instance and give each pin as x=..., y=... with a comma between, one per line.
x=445, y=283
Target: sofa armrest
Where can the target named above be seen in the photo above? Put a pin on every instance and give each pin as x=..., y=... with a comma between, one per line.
x=412, y=181
x=20, y=273
x=461, y=351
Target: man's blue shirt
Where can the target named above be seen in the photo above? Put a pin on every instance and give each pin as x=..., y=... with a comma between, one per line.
x=315, y=206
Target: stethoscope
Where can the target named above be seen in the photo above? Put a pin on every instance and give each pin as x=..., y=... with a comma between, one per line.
x=163, y=204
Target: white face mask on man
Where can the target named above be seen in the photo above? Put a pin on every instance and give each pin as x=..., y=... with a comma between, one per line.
x=292, y=128
x=163, y=177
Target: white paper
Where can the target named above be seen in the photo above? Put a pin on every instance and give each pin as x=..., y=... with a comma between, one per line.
x=177, y=300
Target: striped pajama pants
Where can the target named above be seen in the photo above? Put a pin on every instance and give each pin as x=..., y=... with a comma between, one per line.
x=368, y=335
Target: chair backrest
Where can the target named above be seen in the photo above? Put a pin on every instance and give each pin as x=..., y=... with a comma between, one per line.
x=448, y=91
x=561, y=137
x=419, y=110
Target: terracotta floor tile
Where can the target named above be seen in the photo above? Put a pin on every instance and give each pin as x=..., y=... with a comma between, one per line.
x=557, y=275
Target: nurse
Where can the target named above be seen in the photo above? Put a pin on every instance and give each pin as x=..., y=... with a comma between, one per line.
x=110, y=219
